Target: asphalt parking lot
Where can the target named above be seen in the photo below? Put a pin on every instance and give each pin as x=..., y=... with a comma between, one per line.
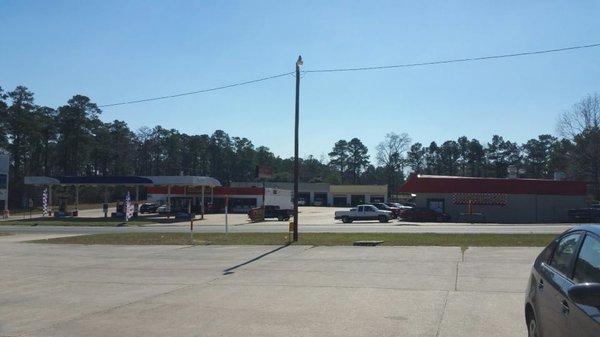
x=312, y=220
x=77, y=290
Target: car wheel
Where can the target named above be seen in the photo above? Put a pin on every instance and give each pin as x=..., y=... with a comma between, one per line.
x=532, y=329
x=346, y=220
x=280, y=218
x=383, y=219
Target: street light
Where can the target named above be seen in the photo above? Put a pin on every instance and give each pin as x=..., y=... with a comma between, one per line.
x=299, y=63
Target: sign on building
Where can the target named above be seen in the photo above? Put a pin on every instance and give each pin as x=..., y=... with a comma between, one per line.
x=487, y=199
x=3, y=182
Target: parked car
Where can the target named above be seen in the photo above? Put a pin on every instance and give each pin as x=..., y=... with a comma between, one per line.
x=423, y=214
x=399, y=205
x=271, y=212
x=148, y=207
x=588, y=214
x=165, y=210
x=385, y=207
x=363, y=212
x=563, y=296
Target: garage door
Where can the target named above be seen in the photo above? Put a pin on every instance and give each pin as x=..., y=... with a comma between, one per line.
x=377, y=198
x=303, y=198
x=339, y=201
x=357, y=199
x=320, y=199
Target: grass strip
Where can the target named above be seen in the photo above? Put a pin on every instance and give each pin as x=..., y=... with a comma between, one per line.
x=312, y=239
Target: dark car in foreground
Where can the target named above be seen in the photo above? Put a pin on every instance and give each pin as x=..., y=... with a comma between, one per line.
x=423, y=214
x=563, y=295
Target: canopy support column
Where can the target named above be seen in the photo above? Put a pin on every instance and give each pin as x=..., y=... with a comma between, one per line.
x=187, y=201
x=169, y=197
x=105, y=205
x=202, y=204
x=168, y=201
x=50, y=200
x=77, y=199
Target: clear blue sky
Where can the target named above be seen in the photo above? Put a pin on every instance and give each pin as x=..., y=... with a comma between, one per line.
x=122, y=50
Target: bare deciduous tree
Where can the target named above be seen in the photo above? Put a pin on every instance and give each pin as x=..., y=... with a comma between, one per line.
x=390, y=154
x=392, y=148
x=584, y=115
x=582, y=125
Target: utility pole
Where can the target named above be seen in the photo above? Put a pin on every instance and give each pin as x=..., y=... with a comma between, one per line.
x=296, y=159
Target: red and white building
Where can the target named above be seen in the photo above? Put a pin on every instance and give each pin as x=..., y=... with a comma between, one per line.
x=501, y=200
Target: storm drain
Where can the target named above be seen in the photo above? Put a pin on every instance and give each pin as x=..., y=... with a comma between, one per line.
x=367, y=243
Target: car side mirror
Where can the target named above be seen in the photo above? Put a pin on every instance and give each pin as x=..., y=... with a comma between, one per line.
x=586, y=294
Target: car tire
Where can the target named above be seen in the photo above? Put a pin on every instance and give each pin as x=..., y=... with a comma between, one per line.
x=532, y=328
x=346, y=219
x=279, y=218
x=383, y=219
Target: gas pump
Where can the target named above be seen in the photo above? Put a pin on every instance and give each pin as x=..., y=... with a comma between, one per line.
x=63, y=208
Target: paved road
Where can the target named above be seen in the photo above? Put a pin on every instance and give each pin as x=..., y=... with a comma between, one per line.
x=78, y=290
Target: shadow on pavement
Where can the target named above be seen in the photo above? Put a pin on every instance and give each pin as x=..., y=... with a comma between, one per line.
x=230, y=270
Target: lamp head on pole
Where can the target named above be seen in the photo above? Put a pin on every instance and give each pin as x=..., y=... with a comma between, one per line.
x=299, y=63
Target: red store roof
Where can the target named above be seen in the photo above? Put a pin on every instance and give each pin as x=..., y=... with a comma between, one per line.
x=447, y=184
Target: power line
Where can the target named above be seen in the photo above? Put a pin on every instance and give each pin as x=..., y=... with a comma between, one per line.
x=470, y=59
x=406, y=65
x=197, y=91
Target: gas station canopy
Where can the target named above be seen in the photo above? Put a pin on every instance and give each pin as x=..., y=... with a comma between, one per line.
x=125, y=181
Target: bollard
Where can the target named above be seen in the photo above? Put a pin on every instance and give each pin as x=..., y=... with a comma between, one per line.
x=290, y=231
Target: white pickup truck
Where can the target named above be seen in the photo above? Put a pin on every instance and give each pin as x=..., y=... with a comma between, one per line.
x=363, y=212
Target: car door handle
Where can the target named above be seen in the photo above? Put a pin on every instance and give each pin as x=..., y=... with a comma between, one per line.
x=565, y=307
x=541, y=285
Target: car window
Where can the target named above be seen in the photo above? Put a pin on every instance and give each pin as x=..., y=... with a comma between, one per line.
x=360, y=208
x=587, y=267
x=565, y=253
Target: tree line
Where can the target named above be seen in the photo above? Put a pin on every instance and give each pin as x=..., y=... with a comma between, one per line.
x=72, y=140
